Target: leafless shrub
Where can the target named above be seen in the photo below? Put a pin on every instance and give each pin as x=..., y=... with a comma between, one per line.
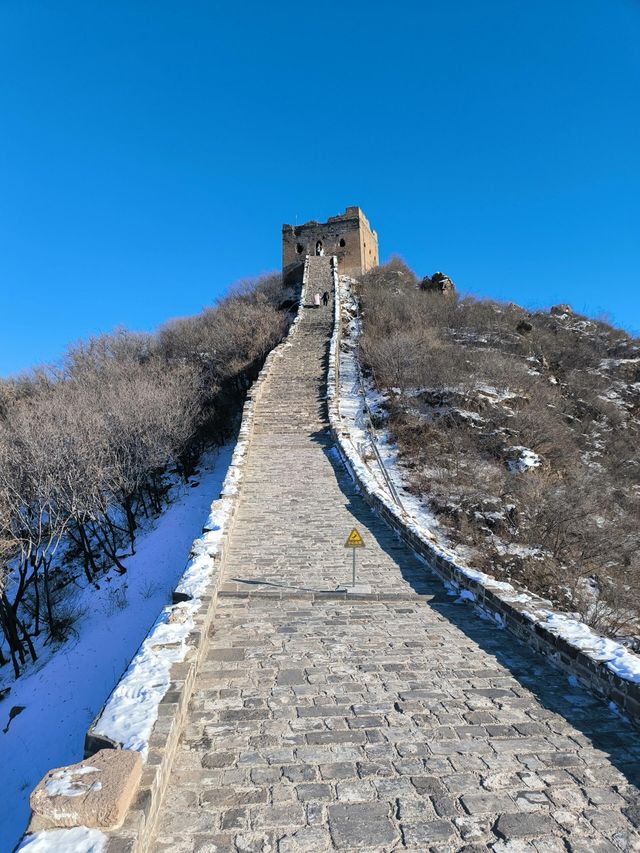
x=85, y=448
x=116, y=600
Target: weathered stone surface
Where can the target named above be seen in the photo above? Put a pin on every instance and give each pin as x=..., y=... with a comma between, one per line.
x=524, y=825
x=95, y=792
x=306, y=840
x=428, y=832
x=214, y=760
x=360, y=826
x=485, y=803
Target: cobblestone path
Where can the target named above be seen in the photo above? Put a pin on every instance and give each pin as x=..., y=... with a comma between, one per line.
x=398, y=721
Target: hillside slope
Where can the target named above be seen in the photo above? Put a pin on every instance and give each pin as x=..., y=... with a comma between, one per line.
x=520, y=431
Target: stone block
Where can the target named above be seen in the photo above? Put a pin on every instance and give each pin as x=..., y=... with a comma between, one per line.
x=486, y=803
x=353, y=825
x=430, y=832
x=95, y=792
x=524, y=825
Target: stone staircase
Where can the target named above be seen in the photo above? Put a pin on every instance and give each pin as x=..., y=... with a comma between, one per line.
x=395, y=720
x=298, y=505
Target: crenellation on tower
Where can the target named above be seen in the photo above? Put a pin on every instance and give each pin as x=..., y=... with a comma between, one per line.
x=348, y=236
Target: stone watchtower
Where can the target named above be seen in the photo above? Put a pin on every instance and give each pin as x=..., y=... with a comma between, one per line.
x=348, y=236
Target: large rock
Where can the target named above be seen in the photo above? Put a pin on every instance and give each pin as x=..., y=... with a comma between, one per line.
x=438, y=283
x=95, y=793
x=560, y=310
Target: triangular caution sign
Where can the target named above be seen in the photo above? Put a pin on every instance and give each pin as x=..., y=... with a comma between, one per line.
x=354, y=540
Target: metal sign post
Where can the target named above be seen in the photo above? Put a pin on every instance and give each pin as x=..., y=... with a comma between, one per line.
x=354, y=540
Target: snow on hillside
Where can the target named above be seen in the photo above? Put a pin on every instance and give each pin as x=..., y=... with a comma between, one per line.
x=63, y=693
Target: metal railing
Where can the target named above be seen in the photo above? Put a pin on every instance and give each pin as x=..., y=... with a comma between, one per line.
x=372, y=431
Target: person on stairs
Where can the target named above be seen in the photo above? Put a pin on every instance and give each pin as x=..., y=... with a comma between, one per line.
x=316, y=300
x=325, y=298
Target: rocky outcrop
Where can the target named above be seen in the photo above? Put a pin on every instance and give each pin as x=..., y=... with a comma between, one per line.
x=559, y=310
x=438, y=283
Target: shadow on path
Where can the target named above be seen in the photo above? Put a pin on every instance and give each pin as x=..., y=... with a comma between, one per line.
x=604, y=728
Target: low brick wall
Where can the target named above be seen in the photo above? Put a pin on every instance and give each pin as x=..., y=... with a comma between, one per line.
x=136, y=833
x=517, y=617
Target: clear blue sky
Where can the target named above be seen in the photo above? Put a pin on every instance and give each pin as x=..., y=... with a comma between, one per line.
x=149, y=151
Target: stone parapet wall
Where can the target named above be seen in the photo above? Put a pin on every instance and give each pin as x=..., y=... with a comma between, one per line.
x=520, y=618
x=136, y=833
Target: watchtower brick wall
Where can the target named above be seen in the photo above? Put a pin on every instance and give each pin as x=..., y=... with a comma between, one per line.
x=348, y=236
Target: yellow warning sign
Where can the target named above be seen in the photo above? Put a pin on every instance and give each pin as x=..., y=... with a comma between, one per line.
x=354, y=540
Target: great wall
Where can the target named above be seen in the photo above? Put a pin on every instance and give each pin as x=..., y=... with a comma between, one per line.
x=297, y=717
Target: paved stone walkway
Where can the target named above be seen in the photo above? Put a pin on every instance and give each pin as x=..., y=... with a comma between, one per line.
x=399, y=721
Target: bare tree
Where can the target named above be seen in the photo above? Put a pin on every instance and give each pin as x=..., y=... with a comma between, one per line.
x=86, y=447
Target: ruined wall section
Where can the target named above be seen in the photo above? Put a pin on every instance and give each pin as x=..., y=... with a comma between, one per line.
x=369, y=245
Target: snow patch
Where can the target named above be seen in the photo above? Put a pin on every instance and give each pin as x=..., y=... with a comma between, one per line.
x=464, y=595
x=80, y=839
x=68, y=783
x=526, y=460
x=132, y=709
x=614, y=655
